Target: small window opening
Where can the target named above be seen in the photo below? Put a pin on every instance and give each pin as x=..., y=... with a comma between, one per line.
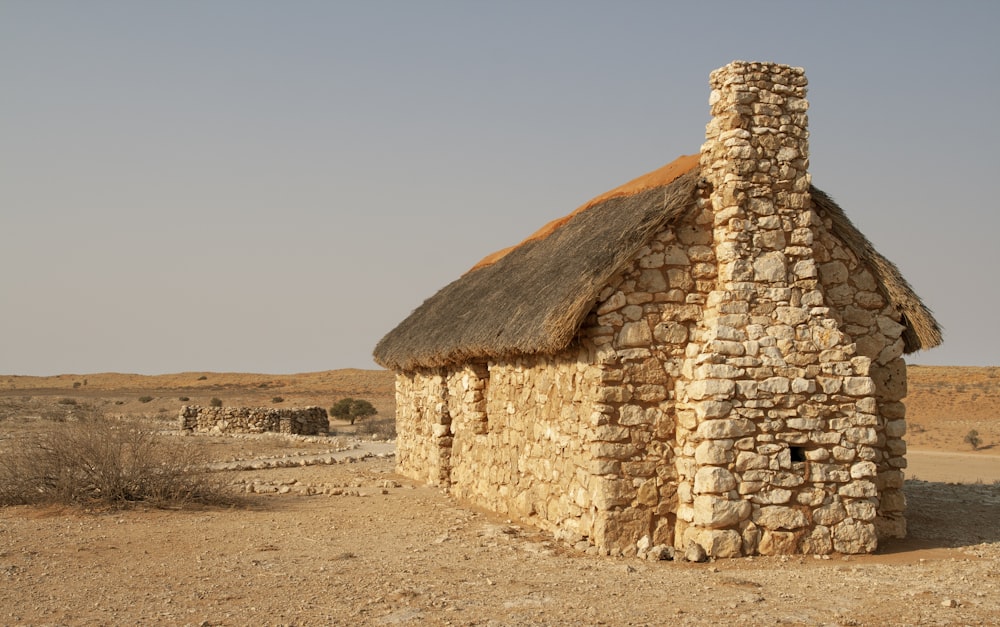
x=798, y=453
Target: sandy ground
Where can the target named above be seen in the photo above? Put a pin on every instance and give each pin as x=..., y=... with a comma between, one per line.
x=352, y=543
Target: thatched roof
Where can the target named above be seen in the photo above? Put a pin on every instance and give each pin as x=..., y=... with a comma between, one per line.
x=532, y=298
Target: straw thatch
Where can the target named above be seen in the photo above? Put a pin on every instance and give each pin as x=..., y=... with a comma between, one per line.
x=534, y=297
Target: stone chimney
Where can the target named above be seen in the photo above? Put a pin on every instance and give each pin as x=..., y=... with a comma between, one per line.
x=769, y=378
x=756, y=157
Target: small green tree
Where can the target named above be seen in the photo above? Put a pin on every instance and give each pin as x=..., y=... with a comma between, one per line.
x=215, y=402
x=352, y=409
x=361, y=409
x=342, y=409
x=972, y=439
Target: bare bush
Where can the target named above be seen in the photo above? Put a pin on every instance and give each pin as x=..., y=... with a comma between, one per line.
x=101, y=461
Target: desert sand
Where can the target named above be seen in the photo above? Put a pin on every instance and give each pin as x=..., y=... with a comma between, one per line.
x=352, y=543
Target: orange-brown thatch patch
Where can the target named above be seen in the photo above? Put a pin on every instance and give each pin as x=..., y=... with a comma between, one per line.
x=657, y=178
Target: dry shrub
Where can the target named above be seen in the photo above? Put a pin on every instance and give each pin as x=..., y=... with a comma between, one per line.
x=104, y=462
x=378, y=429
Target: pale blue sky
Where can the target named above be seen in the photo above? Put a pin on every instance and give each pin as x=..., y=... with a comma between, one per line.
x=272, y=186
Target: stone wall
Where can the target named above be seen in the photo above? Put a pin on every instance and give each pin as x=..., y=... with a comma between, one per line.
x=423, y=427
x=522, y=439
x=304, y=421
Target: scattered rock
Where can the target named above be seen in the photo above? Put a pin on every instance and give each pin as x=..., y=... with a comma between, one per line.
x=695, y=553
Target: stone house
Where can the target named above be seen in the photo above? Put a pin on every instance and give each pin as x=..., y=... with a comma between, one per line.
x=710, y=353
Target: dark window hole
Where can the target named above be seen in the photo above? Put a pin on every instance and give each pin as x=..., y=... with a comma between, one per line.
x=798, y=453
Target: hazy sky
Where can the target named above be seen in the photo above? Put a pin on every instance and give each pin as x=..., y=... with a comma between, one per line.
x=272, y=186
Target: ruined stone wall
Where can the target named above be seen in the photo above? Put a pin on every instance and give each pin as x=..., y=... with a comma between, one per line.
x=304, y=421
x=780, y=437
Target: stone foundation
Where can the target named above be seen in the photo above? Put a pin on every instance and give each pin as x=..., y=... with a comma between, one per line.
x=304, y=421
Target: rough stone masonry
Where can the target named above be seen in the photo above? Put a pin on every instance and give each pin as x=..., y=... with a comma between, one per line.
x=785, y=440
x=304, y=421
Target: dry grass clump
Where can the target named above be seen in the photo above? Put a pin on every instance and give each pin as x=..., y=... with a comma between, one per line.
x=378, y=429
x=97, y=461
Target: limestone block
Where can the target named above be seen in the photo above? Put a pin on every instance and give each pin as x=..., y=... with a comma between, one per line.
x=635, y=334
x=720, y=543
x=714, y=452
x=606, y=493
x=791, y=316
x=804, y=424
x=725, y=429
x=890, y=380
x=829, y=385
x=670, y=333
x=631, y=415
x=891, y=352
x=889, y=480
x=747, y=460
x=610, y=433
x=718, y=371
x=706, y=410
x=833, y=273
x=651, y=260
x=858, y=489
x=652, y=280
x=844, y=454
x=828, y=473
x=774, y=385
x=713, y=480
x=861, y=509
x=706, y=388
x=770, y=268
x=648, y=494
x=613, y=450
x=816, y=541
x=826, y=338
x=715, y=512
x=787, y=479
x=773, y=496
x=614, y=303
x=620, y=530
x=869, y=300
x=854, y=537
x=829, y=514
x=777, y=542
x=603, y=467
x=861, y=435
x=726, y=347
x=803, y=386
x=863, y=470
x=813, y=497
x=895, y=447
x=889, y=327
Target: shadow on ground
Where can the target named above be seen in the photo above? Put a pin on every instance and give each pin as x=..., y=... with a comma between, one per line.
x=948, y=515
